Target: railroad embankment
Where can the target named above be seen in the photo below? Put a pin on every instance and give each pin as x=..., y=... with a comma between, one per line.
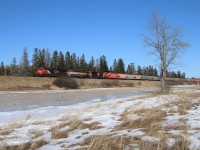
x=46, y=83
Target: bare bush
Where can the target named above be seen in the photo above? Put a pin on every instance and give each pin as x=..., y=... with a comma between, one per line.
x=129, y=84
x=66, y=82
x=110, y=83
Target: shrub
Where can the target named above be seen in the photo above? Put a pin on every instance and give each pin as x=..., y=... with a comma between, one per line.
x=66, y=82
x=129, y=84
x=110, y=83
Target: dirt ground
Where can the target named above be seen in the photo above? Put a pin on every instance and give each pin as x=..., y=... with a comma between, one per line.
x=9, y=83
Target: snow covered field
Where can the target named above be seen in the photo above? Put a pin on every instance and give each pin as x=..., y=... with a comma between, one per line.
x=147, y=122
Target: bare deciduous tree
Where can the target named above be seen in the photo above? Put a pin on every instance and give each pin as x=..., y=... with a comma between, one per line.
x=166, y=43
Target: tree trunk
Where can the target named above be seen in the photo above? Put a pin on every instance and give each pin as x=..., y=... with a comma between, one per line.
x=163, y=77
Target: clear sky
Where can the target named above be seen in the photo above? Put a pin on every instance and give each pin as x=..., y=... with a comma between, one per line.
x=95, y=27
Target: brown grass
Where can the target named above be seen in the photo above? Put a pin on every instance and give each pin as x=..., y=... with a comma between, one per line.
x=38, y=144
x=151, y=118
x=25, y=146
x=6, y=132
x=180, y=144
x=35, y=133
x=57, y=133
x=107, y=142
x=41, y=83
x=91, y=126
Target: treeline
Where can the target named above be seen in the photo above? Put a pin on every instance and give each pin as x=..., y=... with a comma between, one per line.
x=70, y=61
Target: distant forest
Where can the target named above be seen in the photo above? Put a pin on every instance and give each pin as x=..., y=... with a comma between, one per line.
x=68, y=61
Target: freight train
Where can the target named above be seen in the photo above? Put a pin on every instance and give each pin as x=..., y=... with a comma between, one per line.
x=97, y=75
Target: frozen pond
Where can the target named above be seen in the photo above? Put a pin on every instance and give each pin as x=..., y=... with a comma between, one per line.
x=23, y=100
x=20, y=105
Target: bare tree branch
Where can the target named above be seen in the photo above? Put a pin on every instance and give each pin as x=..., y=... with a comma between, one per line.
x=166, y=43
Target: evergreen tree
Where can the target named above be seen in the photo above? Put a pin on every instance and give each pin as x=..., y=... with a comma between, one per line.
x=47, y=58
x=24, y=65
x=103, y=64
x=115, y=66
x=97, y=67
x=41, y=62
x=2, y=69
x=144, y=71
x=155, y=72
x=121, y=68
x=61, y=61
x=35, y=59
x=7, y=71
x=91, y=64
x=83, y=63
x=78, y=63
x=131, y=69
x=178, y=74
x=73, y=62
x=68, y=60
x=13, y=67
x=183, y=75
x=139, y=70
x=55, y=60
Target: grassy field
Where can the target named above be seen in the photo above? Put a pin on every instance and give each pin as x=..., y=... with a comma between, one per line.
x=45, y=83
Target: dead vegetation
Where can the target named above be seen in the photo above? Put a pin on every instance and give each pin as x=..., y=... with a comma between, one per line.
x=91, y=126
x=31, y=145
x=66, y=82
x=107, y=142
x=58, y=133
x=45, y=83
x=150, y=119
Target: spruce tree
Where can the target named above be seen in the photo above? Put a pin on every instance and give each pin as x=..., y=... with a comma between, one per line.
x=115, y=66
x=121, y=68
x=103, y=64
x=13, y=67
x=35, y=59
x=61, y=61
x=2, y=69
x=91, y=65
x=68, y=60
x=55, y=60
x=73, y=64
x=83, y=63
x=24, y=65
x=47, y=58
x=139, y=70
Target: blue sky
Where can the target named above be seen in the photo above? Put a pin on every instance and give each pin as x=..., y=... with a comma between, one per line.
x=95, y=27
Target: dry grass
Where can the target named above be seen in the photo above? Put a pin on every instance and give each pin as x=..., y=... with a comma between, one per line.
x=35, y=133
x=57, y=133
x=25, y=146
x=41, y=83
x=107, y=142
x=38, y=144
x=180, y=144
x=150, y=120
x=91, y=126
x=6, y=132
